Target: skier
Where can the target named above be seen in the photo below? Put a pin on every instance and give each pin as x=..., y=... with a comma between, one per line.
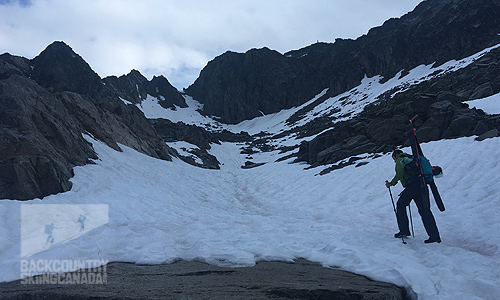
x=411, y=191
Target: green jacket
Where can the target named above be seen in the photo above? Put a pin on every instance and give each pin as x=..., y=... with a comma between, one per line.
x=402, y=174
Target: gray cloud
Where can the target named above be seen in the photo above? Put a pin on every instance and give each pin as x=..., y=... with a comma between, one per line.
x=177, y=38
x=13, y=2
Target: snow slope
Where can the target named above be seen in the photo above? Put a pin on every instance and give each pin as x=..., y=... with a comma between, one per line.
x=162, y=211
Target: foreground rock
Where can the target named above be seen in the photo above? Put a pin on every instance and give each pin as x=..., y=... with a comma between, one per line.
x=194, y=280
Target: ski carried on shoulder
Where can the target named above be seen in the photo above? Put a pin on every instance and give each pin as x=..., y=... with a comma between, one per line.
x=437, y=196
x=422, y=163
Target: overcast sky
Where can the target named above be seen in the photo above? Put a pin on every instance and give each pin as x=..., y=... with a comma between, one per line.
x=177, y=38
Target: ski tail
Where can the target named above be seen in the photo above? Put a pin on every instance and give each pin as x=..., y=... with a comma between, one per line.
x=437, y=196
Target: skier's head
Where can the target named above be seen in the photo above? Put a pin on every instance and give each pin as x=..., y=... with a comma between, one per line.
x=396, y=154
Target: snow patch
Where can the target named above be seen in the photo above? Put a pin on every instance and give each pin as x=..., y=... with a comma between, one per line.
x=184, y=149
x=490, y=105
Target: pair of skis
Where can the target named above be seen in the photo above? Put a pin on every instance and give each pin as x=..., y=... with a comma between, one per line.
x=417, y=152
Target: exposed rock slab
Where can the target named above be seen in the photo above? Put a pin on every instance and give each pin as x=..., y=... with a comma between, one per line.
x=195, y=280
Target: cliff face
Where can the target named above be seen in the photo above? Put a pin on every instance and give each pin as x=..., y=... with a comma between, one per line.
x=46, y=106
x=235, y=86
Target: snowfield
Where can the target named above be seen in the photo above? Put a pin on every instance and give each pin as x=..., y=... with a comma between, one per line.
x=161, y=211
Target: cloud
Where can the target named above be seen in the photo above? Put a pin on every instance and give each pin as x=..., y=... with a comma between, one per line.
x=13, y=2
x=177, y=38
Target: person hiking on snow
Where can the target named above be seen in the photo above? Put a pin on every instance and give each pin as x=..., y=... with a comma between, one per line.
x=411, y=191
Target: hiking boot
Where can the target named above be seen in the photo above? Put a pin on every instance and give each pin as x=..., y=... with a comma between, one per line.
x=401, y=235
x=433, y=240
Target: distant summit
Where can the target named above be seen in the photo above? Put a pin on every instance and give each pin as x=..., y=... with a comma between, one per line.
x=134, y=87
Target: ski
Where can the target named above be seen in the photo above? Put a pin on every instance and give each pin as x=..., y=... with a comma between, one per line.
x=437, y=196
x=417, y=152
x=412, y=137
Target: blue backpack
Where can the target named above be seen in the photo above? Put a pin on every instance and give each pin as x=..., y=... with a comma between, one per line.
x=427, y=169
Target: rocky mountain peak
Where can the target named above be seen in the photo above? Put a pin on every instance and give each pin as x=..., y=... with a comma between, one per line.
x=59, y=68
x=169, y=96
x=130, y=87
x=135, y=88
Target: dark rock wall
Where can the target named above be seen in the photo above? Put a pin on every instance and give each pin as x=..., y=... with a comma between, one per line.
x=236, y=86
x=39, y=140
x=46, y=104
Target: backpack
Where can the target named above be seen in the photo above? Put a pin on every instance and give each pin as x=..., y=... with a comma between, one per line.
x=427, y=169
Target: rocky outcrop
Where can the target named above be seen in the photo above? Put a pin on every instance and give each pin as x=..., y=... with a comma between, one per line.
x=46, y=106
x=196, y=280
x=173, y=132
x=236, y=86
x=250, y=164
x=437, y=105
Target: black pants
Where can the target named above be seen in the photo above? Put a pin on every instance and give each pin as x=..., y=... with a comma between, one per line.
x=413, y=192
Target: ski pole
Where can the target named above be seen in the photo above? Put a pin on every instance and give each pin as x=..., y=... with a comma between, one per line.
x=411, y=222
x=394, y=207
